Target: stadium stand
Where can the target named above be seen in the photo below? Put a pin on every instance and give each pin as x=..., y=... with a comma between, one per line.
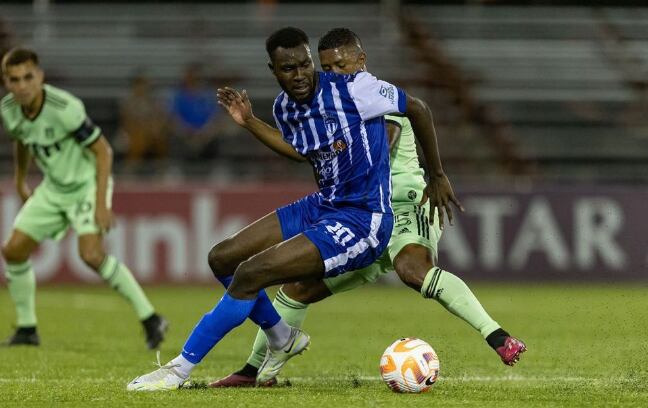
x=554, y=83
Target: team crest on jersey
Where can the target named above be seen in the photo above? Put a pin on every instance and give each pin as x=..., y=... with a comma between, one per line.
x=331, y=125
x=49, y=132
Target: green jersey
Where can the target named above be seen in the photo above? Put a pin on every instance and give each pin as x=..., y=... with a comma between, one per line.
x=57, y=137
x=406, y=173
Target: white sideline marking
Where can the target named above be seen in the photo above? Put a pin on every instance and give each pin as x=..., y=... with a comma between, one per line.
x=318, y=380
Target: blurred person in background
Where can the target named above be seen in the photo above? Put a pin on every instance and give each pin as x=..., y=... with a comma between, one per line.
x=50, y=125
x=195, y=114
x=144, y=122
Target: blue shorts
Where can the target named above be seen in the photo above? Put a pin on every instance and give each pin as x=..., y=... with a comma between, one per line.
x=347, y=238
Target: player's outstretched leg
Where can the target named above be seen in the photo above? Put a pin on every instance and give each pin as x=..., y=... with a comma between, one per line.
x=120, y=278
x=290, y=310
x=22, y=288
x=295, y=259
x=452, y=293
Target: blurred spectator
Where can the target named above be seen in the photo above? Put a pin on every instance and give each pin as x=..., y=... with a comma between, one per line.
x=144, y=122
x=196, y=116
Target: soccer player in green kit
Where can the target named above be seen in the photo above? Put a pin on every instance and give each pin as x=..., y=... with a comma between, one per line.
x=51, y=126
x=412, y=250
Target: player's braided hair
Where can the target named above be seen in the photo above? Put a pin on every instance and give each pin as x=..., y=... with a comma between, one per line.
x=287, y=37
x=338, y=37
x=17, y=56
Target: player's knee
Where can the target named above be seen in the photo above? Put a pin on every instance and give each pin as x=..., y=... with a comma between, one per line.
x=411, y=269
x=250, y=277
x=93, y=257
x=217, y=259
x=13, y=253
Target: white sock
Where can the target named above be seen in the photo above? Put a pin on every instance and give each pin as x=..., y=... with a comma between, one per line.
x=184, y=366
x=278, y=335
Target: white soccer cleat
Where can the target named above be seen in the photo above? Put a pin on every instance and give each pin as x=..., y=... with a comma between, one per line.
x=275, y=359
x=165, y=378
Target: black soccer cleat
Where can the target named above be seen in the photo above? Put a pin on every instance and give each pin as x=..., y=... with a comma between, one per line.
x=155, y=327
x=24, y=336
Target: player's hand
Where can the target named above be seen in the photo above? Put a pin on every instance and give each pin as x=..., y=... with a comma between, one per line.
x=24, y=192
x=237, y=104
x=439, y=192
x=103, y=218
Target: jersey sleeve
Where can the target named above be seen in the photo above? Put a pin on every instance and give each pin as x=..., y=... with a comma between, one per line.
x=5, y=127
x=374, y=97
x=77, y=123
x=6, y=116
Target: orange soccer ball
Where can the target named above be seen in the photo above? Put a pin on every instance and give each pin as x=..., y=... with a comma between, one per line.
x=409, y=365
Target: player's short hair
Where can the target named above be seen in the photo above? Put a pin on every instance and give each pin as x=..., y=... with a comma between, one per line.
x=17, y=56
x=338, y=37
x=287, y=37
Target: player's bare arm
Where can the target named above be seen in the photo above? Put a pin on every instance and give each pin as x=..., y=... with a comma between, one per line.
x=103, y=155
x=21, y=164
x=393, y=134
x=239, y=108
x=438, y=190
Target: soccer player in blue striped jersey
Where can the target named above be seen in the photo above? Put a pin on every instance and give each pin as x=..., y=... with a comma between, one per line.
x=412, y=250
x=336, y=121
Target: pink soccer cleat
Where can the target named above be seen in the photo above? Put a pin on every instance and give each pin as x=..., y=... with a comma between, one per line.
x=238, y=380
x=511, y=350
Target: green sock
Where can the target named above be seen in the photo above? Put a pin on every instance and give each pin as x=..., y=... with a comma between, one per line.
x=120, y=278
x=458, y=299
x=22, y=289
x=293, y=313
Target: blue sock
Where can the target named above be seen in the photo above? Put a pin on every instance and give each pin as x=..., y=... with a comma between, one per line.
x=228, y=314
x=226, y=280
x=263, y=313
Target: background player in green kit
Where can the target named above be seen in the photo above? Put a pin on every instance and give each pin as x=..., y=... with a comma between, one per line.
x=51, y=126
x=412, y=250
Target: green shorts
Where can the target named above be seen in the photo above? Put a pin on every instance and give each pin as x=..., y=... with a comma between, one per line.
x=48, y=213
x=411, y=226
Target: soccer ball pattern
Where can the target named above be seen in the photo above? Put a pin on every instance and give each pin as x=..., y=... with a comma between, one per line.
x=409, y=365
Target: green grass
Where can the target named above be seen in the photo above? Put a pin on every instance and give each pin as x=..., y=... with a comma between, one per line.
x=587, y=347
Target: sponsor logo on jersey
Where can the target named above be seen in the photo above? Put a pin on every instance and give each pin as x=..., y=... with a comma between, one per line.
x=387, y=92
x=339, y=146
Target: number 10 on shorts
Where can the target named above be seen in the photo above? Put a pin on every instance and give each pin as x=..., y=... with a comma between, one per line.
x=341, y=234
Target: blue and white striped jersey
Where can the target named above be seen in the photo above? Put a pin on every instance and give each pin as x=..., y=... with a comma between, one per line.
x=342, y=132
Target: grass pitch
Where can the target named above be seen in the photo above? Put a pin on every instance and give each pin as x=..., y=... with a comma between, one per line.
x=587, y=347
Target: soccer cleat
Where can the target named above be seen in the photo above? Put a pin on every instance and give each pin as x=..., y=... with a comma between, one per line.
x=275, y=359
x=22, y=337
x=238, y=380
x=155, y=327
x=511, y=350
x=165, y=378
